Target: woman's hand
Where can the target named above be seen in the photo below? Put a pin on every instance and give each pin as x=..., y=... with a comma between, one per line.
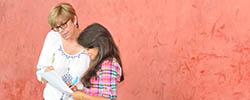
x=78, y=95
x=44, y=81
x=50, y=68
x=68, y=83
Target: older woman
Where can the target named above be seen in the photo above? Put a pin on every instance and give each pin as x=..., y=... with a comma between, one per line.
x=60, y=51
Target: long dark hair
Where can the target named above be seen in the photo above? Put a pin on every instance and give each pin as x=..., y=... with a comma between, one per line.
x=96, y=35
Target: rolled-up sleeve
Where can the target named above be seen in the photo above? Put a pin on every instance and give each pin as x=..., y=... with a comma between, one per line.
x=45, y=58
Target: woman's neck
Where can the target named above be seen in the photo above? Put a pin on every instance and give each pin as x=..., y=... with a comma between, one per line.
x=74, y=37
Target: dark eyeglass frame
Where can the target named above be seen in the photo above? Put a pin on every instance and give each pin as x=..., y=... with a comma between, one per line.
x=62, y=26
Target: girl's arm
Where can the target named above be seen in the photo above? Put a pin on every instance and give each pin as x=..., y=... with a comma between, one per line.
x=78, y=95
x=107, y=78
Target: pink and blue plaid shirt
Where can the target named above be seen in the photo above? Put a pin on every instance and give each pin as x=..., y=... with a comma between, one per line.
x=104, y=84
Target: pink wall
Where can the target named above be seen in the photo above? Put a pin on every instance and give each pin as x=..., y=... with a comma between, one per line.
x=171, y=49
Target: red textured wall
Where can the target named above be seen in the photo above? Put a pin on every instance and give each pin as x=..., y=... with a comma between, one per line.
x=171, y=49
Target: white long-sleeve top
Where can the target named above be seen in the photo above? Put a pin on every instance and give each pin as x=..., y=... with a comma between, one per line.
x=67, y=66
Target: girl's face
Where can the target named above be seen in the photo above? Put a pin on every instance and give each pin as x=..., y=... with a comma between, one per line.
x=92, y=52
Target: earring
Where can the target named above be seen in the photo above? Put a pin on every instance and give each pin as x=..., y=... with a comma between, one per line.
x=76, y=25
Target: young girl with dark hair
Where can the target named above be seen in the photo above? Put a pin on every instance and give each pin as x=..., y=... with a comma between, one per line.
x=105, y=71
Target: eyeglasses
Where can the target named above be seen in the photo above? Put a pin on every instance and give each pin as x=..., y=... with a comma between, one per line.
x=62, y=26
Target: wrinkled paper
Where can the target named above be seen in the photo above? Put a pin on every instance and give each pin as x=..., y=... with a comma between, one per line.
x=55, y=81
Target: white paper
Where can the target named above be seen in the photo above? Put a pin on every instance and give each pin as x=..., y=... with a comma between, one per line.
x=55, y=81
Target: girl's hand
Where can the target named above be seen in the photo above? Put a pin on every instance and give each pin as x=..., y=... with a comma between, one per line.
x=78, y=95
x=74, y=88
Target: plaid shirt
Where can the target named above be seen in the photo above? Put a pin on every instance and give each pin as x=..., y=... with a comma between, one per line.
x=104, y=84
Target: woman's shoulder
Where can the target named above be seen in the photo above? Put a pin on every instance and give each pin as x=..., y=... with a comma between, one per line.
x=52, y=37
x=53, y=34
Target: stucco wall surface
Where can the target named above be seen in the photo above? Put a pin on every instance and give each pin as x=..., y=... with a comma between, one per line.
x=171, y=49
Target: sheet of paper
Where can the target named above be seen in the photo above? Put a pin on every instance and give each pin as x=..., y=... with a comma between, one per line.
x=55, y=81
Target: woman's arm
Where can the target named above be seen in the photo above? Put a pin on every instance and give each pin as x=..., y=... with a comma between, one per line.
x=78, y=95
x=46, y=55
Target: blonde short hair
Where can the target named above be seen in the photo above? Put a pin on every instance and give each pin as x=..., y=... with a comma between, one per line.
x=61, y=11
